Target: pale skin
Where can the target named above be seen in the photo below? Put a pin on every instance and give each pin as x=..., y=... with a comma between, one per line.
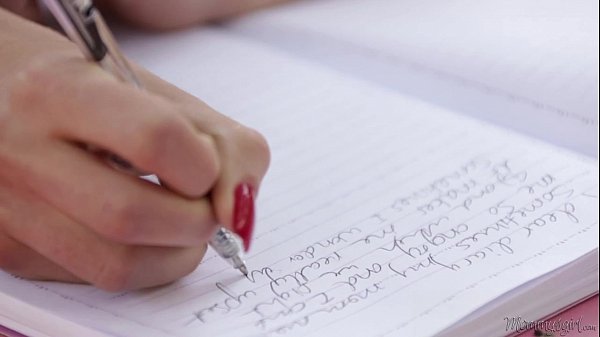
x=67, y=216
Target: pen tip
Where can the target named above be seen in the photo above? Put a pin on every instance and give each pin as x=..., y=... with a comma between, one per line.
x=244, y=270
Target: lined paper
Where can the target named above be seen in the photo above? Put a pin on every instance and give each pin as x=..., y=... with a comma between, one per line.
x=381, y=215
x=513, y=63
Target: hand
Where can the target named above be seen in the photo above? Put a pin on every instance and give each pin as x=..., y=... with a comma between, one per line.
x=65, y=215
x=160, y=14
x=157, y=14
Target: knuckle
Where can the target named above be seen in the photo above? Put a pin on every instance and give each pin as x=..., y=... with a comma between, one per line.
x=123, y=225
x=203, y=220
x=155, y=135
x=198, y=254
x=256, y=145
x=210, y=164
x=115, y=272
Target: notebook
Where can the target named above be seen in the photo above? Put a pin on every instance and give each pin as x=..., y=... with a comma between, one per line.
x=385, y=212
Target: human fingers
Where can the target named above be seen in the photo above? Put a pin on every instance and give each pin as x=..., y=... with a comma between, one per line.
x=20, y=260
x=15, y=257
x=141, y=127
x=77, y=251
x=244, y=157
x=118, y=207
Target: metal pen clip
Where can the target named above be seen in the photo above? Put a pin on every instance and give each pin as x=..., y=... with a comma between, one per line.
x=81, y=15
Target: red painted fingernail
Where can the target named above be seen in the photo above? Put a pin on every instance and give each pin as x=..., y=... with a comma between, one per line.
x=243, y=213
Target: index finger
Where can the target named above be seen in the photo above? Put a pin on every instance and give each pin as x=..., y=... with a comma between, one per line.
x=90, y=106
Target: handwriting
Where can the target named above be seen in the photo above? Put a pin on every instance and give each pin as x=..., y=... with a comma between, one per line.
x=486, y=209
x=231, y=302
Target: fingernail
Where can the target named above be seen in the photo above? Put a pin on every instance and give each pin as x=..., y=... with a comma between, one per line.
x=243, y=213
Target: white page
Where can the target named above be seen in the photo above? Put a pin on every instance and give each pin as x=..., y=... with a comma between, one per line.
x=525, y=64
x=354, y=170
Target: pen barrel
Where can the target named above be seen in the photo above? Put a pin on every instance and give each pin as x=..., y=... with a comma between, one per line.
x=225, y=244
x=114, y=61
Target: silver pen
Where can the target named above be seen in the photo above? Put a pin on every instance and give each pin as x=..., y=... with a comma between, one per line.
x=84, y=25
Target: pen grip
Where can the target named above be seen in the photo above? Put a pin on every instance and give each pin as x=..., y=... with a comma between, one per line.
x=225, y=244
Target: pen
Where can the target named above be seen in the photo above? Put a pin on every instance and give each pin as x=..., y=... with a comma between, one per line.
x=84, y=25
